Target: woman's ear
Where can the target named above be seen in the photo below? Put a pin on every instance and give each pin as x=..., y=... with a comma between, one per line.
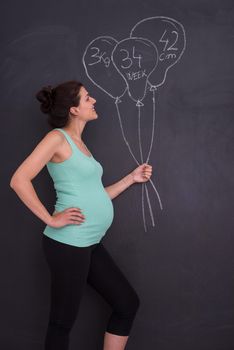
x=74, y=110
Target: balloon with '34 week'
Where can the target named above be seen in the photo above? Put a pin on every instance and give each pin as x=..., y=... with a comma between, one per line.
x=135, y=59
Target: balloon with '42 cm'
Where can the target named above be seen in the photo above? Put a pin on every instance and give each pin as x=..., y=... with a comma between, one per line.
x=168, y=35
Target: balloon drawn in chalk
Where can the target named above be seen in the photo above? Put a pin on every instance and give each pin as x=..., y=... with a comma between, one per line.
x=135, y=59
x=99, y=66
x=137, y=65
x=169, y=37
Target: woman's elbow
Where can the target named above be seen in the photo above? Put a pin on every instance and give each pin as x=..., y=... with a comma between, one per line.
x=15, y=181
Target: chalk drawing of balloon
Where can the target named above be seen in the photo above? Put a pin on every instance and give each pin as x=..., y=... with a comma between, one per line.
x=100, y=69
x=168, y=35
x=137, y=65
x=135, y=59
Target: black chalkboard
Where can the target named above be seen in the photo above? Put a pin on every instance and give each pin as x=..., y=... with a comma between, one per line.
x=175, y=247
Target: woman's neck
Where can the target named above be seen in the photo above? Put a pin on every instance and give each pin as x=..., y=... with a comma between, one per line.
x=75, y=130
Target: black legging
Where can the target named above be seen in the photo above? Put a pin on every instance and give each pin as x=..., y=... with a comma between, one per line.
x=70, y=268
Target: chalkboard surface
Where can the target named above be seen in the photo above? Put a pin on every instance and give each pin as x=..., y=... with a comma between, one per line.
x=164, y=91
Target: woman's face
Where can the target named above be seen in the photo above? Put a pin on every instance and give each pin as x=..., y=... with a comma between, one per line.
x=86, y=110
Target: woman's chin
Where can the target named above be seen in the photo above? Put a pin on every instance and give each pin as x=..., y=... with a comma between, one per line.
x=94, y=116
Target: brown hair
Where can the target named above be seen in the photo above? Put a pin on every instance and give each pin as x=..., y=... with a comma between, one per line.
x=57, y=101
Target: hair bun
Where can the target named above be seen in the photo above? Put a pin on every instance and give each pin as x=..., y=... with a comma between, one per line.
x=45, y=96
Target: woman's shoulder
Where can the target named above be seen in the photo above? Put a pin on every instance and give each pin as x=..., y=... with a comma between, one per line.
x=53, y=138
x=55, y=135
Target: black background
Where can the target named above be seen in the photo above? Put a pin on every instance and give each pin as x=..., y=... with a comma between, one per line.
x=182, y=268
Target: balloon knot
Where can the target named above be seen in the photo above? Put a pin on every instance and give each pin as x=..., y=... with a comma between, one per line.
x=139, y=103
x=117, y=100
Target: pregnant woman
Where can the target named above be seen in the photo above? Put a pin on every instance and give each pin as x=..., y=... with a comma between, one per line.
x=83, y=213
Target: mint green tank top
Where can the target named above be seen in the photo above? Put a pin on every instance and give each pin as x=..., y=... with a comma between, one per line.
x=77, y=182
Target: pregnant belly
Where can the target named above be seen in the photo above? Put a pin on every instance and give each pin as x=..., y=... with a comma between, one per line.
x=96, y=206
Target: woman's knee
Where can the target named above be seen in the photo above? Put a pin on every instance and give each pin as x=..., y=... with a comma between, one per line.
x=129, y=305
x=122, y=318
x=135, y=303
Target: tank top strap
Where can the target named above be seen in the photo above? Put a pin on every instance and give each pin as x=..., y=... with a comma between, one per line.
x=69, y=140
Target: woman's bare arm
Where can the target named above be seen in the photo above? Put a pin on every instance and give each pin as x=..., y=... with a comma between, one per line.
x=21, y=181
x=120, y=186
x=141, y=174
